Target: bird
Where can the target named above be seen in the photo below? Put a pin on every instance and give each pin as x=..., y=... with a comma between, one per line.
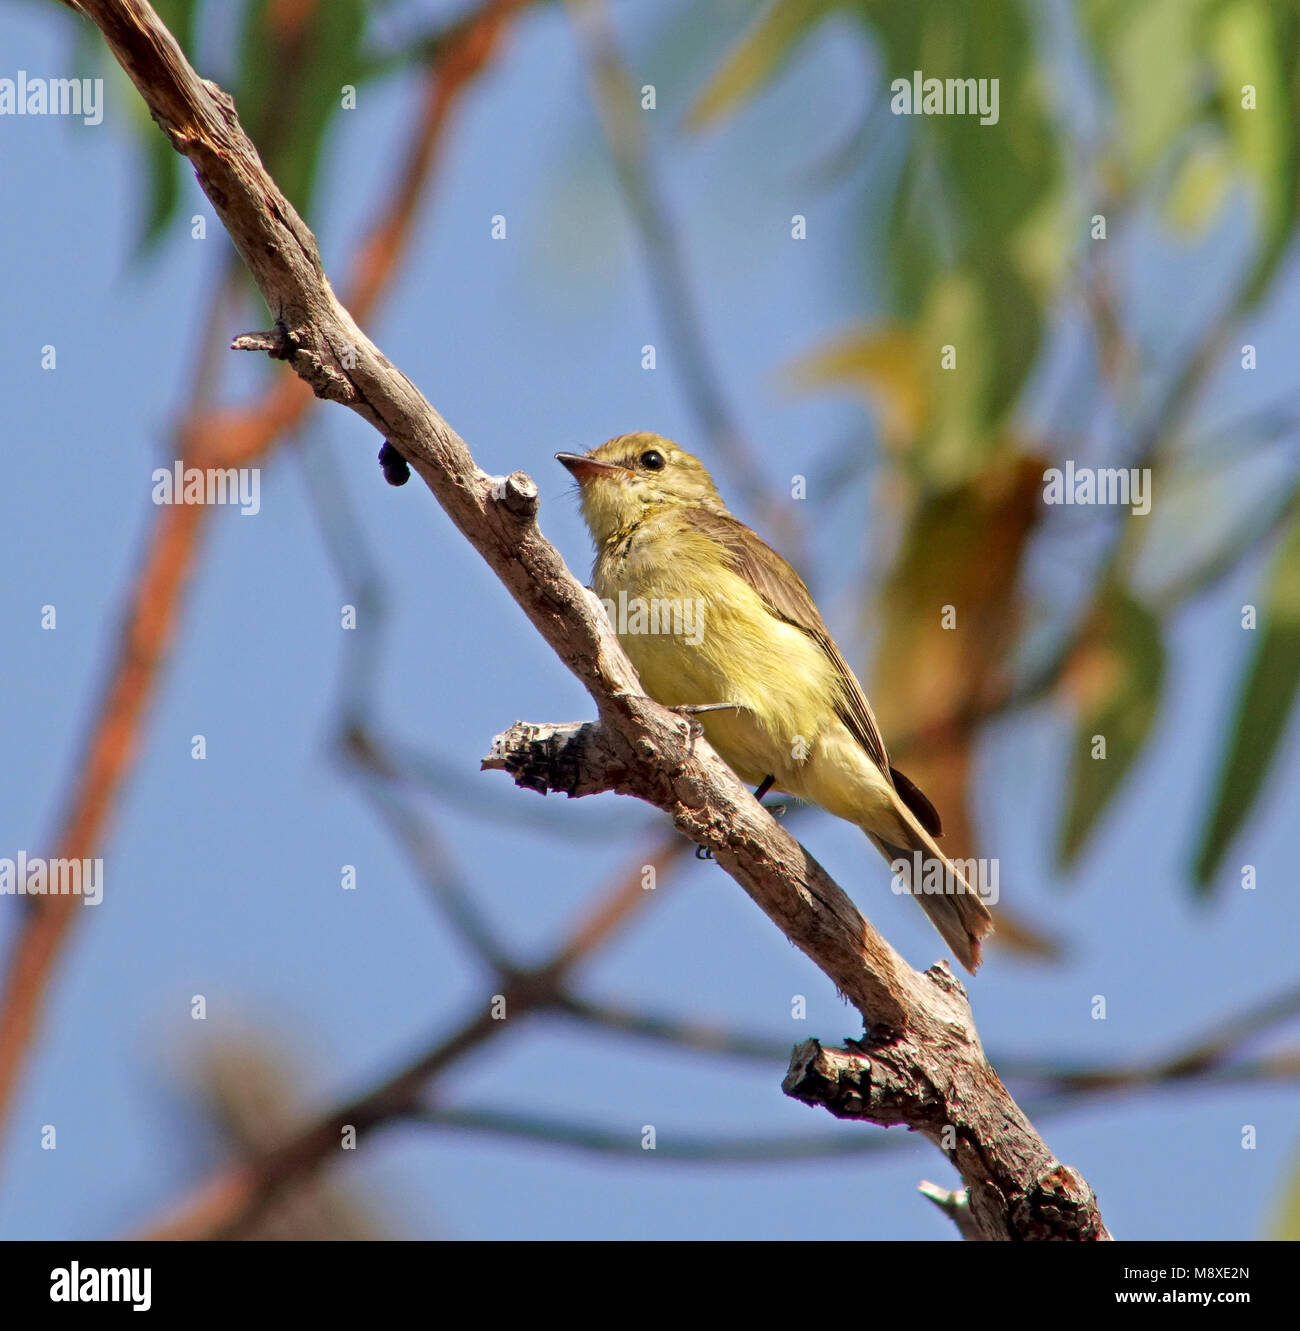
x=723, y=628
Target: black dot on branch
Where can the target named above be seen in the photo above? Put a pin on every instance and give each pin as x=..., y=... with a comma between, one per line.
x=397, y=470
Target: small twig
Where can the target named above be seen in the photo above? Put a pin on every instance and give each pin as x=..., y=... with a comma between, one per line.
x=431, y=859
x=955, y=1205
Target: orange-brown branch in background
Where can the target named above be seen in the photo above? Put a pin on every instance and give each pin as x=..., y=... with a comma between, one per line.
x=232, y=1200
x=227, y=437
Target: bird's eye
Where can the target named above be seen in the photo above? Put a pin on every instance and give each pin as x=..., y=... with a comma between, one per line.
x=653, y=460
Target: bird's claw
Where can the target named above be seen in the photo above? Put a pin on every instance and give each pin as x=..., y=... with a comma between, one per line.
x=690, y=710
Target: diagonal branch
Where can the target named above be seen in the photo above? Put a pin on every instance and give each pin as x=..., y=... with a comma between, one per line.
x=920, y=1062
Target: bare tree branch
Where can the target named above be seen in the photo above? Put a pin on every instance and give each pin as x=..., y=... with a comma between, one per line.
x=886, y=1081
x=627, y=1142
x=237, y=1198
x=1214, y=1057
x=920, y=1062
x=701, y=1036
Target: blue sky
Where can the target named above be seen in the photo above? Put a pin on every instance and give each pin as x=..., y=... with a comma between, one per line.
x=222, y=876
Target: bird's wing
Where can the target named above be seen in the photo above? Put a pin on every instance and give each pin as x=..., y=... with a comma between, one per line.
x=785, y=595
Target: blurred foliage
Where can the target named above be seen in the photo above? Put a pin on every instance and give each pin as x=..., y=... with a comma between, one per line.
x=1177, y=70
x=961, y=251
x=247, y=1090
x=1264, y=703
x=1115, y=676
x=983, y=237
x=765, y=50
x=885, y=363
x=292, y=60
x=1287, y=1227
x=938, y=674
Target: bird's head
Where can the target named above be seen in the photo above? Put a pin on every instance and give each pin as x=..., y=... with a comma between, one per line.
x=629, y=477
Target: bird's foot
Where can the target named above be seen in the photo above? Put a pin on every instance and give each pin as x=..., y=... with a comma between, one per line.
x=690, y=710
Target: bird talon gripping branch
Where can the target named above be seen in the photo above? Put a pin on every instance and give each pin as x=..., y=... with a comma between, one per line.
x=693, y=710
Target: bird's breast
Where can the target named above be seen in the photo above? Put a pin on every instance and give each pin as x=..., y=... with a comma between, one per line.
x=698, y=633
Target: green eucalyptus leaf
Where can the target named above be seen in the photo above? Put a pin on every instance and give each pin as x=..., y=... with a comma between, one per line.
x=1118, y=679
x=292, y=75
x=1264, y=703
x=757, y=58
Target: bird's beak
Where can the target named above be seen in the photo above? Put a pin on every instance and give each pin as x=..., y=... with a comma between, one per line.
x=584, y=469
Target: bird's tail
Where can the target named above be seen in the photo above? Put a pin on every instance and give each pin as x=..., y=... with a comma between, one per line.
x=953, y=906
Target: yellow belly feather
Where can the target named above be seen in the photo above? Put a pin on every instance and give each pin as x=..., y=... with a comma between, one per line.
x=786, y=724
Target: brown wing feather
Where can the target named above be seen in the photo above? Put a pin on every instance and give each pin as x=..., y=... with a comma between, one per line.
x=912, y=795
x=785, y=595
